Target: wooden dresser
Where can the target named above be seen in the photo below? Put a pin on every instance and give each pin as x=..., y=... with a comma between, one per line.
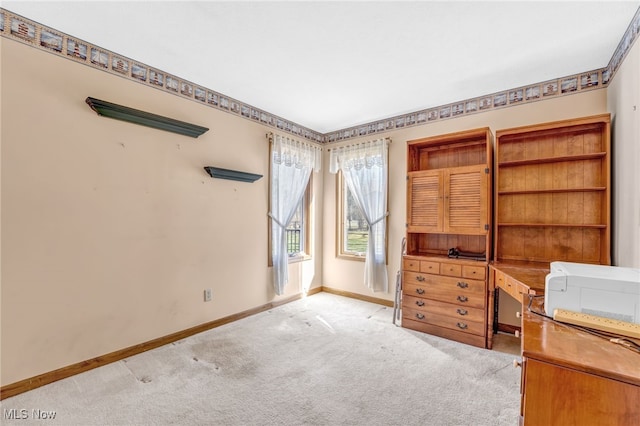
x=445, y=298
x=571, y=377
x=449, y=183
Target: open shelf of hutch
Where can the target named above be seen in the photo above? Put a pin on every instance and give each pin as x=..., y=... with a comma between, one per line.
x=552, y=192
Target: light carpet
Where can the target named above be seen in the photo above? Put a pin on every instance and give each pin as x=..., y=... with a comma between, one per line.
x=321, y=360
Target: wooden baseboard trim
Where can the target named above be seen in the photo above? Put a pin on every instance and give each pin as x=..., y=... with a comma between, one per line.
x=31, y=383
x=358, y=296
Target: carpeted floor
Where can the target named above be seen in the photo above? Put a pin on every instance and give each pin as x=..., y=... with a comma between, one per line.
x=322, y=360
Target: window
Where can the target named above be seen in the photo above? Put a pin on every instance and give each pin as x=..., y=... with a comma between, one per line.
x=295, y=234
x=353, y=230
x=291, y=165
x=364, y=167
x=298, y=229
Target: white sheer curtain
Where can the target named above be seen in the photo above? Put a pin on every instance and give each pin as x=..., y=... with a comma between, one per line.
x=291, y=164
x=364, y=168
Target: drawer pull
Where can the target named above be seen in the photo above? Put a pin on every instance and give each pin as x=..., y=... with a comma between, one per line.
x=420, y=316
x=420, y=278
x=420, y=302
x=461, y=325
x=462, y=311
x=462, y=284
x=420, y=290
x=462, y=299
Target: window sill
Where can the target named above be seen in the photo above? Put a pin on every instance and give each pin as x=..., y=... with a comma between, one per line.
x=299, y=258
x=357, y=258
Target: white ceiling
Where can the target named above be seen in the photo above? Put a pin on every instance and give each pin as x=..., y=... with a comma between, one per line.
x=328, y=65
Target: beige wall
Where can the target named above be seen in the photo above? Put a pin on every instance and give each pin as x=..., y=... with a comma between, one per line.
x=624, y=103
x=111, y=231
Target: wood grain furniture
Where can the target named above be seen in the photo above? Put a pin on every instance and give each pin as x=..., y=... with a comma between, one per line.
x=553, y=192
x=449, y=183
x=516, y=279
x=571, y=377
x=552, y=202
x=445, y=298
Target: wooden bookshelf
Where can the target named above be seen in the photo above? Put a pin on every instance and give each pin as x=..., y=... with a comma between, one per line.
x=553, y=192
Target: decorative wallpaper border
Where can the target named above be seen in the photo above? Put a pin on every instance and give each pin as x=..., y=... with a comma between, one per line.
x=629, y=37
x=18, y=28
x=553, y=88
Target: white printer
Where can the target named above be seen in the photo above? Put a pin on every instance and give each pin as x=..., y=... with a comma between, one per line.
x=604, y=291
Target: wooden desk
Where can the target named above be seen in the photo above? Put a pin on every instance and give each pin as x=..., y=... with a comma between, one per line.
x=529, y=275
x=571, y=377
x=516, y=279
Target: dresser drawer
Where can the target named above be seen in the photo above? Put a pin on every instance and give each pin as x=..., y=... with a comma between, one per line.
x=473, y=296
x=451, y=269
x=432, y=281
x=442, y=308
x=429, y=267
x=474, y=272
x=411, y=265
x=458, y=324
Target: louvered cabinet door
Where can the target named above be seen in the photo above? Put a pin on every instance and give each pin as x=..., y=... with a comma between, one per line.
x=465, y=200
x=425, y=201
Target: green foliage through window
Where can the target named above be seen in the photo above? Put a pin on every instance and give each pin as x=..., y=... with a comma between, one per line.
x=356, y=229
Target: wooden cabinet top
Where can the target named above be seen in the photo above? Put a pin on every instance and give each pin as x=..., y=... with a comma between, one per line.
x=466, y=148
x=481, y=134
x=564, y=345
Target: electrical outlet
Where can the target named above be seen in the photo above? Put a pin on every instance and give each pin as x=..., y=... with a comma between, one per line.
x=207, y=295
